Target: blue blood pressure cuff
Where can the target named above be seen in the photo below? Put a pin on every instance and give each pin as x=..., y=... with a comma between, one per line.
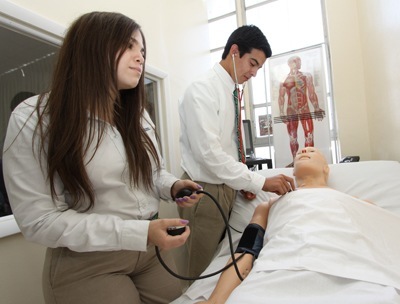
x=252, y=240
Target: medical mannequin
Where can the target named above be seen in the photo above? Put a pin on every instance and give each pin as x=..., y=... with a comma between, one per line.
x=311, y=172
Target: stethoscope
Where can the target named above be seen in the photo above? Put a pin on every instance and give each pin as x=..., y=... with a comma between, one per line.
x=239, y=94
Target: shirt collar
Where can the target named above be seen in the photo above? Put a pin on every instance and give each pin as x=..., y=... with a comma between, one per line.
x=224, y=76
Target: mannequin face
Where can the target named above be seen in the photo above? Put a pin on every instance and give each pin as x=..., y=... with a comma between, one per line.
x=311, y=154
x=310, y=160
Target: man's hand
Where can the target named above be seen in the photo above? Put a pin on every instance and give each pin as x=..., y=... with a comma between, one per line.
x=279, y=184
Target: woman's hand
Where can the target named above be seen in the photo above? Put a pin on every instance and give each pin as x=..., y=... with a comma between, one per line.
x=159, y=236
x=186, y=201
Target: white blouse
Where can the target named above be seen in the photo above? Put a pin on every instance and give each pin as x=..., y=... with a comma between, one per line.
x=119, y=219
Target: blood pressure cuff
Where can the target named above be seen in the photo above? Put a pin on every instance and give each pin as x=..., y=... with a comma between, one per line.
x=252, y=240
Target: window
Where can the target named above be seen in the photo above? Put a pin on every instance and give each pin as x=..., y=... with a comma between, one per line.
x=222, y=22
x=290, y=26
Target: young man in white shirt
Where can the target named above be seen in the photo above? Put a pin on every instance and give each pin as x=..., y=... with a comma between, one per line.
x=209, y=143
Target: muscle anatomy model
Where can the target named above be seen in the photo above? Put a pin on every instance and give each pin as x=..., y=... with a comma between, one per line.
x=296, y=90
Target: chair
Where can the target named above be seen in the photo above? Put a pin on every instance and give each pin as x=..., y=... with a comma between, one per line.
x=252, y=162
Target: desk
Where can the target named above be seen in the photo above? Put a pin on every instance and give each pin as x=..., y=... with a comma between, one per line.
x=251, y=162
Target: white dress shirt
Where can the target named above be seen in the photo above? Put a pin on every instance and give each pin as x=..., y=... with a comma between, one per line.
x=118, y=220
x=208, y=140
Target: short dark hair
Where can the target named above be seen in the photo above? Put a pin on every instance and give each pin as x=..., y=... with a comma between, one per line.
x=248, y=37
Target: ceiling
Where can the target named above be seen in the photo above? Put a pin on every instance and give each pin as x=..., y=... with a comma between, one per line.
x=17, y=49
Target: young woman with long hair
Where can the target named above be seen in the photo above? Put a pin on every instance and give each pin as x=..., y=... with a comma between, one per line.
x=84, y=173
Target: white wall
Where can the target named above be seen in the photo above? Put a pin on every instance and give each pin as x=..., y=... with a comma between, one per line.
x=380, y=32
x=365, y=58
x=348, y=77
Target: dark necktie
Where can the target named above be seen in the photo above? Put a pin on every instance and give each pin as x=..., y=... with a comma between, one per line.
x=237, y=98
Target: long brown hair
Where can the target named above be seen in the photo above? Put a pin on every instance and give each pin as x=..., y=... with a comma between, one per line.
x=84, y=87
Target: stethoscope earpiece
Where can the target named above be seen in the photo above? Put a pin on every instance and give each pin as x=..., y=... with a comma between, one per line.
x=234, y=68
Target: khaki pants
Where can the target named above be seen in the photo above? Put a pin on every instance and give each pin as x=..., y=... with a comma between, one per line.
x=207, y=226
x=108, y=277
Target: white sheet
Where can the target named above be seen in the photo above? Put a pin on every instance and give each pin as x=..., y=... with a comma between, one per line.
x=330, y=232
x=299, y=287
x=308, y=287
